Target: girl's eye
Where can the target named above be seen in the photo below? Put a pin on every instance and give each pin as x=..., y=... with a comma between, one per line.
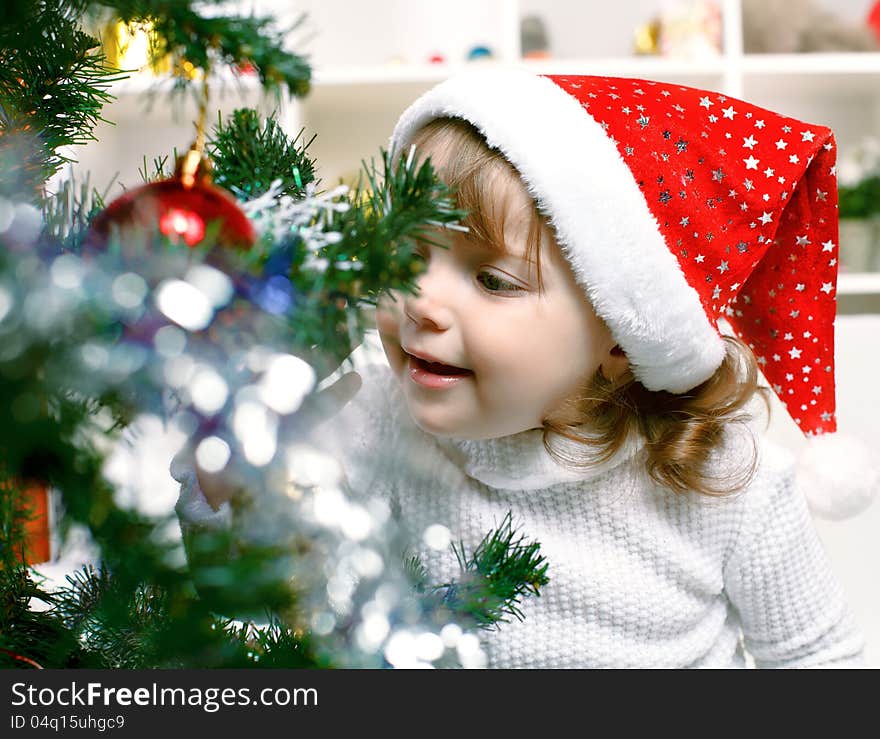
x=494, y=283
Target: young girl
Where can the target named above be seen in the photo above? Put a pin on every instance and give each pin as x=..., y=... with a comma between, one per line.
x=562, y=361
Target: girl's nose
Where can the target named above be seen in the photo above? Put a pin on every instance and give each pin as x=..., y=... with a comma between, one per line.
x=429, y=308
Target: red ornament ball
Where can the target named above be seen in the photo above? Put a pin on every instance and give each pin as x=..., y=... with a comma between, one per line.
x=183, y=213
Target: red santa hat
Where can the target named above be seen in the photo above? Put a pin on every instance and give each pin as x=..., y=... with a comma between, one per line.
x=677, y=207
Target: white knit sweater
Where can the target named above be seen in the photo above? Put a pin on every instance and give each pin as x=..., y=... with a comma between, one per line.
x=639, y=576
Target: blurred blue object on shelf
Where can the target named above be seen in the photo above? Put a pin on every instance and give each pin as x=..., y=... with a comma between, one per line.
x=480, y=52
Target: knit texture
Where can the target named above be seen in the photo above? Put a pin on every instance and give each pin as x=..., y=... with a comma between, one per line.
x=639, y=576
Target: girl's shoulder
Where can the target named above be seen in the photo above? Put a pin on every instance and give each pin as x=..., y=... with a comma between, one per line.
x=770, y=488
x=775, y=462
x=756, y=471
x=748, y=454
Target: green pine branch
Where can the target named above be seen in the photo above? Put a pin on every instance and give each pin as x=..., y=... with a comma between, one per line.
x=249, y=153
x=68, y=212
x=390, y=211
x=501, y=571
x=53, y=86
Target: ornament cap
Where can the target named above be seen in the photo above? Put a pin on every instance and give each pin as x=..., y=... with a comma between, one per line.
x=192, y=168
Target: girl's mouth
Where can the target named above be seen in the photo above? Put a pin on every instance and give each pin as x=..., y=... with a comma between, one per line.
x=435, y=374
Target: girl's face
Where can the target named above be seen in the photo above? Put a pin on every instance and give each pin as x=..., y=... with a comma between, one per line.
x=480, y=351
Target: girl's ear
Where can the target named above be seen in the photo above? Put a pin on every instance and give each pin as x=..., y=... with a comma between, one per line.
x=615, y=365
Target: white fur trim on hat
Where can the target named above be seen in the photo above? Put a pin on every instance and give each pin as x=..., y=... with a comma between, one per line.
x=602, y=222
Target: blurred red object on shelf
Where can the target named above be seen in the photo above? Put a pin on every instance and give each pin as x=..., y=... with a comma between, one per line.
x=873, y=19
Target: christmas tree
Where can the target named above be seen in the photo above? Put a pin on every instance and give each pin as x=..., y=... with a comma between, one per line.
x=204, y=307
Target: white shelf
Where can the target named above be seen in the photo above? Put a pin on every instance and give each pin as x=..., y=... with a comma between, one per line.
x=860, y=70
x=858, y=283
x=854, y=63
x=383, y=74
x=754, y=65
x=817, y=77
x=630, y=66
x=804, y=75
x=646, y=67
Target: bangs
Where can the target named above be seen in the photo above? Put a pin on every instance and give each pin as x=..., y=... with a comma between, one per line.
x=483, y=184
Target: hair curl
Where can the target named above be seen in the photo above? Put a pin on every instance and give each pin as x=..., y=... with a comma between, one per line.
x=681, y=431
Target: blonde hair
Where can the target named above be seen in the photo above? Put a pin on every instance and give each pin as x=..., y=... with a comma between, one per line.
x=680, y=431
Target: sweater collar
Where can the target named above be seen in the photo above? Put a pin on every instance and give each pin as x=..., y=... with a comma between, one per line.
x=522, y=462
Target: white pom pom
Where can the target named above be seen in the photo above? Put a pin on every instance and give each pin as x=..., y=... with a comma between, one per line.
x=839, y=475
